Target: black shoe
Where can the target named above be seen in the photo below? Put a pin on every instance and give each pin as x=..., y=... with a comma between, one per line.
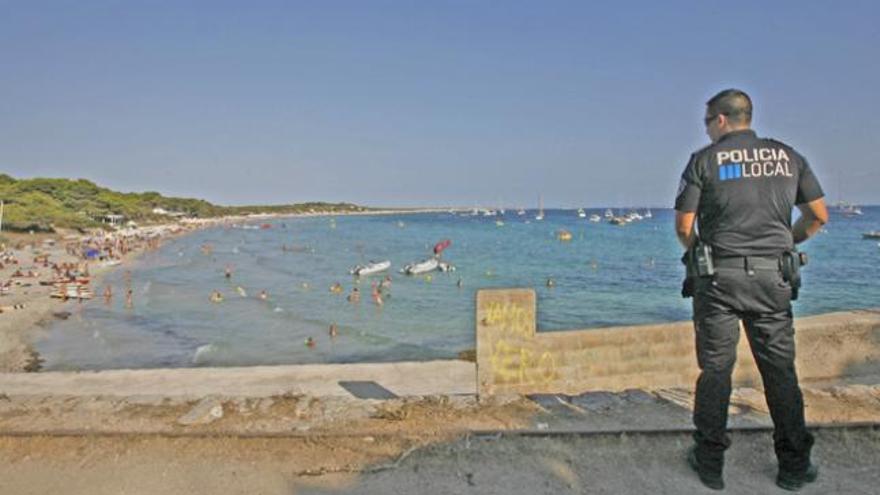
x=794, y=483
x=712, y=481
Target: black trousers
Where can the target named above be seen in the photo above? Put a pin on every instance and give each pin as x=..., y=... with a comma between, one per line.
x=761, y=299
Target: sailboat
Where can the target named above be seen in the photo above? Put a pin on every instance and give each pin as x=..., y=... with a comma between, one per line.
x=848, y=209
x=851, y=210
x=845, y=208
x=540, y=215
x=582, y=213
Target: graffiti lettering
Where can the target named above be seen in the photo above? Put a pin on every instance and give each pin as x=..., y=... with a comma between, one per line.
x=512, y=319
x=519, y=365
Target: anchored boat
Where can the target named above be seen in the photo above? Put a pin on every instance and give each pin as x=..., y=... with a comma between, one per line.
x=370, y=268
x=424, y=266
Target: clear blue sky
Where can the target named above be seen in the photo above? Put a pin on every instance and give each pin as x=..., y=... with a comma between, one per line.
x=427, y=103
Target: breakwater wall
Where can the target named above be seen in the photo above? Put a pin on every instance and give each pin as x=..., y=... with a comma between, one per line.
x=513, y=358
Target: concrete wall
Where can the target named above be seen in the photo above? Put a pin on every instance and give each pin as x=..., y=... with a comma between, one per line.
x=512, y=357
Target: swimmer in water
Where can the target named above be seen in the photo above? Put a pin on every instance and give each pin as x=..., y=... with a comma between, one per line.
x=355, y=295
x=216, y=297
x=264, y=295
x=550, y=282
x=334, y=330
x=310, y=342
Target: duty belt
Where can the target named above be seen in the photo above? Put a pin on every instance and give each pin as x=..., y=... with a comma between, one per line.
x=748, y=262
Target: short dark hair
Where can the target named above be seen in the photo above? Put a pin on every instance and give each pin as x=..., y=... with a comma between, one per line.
x=733, y=103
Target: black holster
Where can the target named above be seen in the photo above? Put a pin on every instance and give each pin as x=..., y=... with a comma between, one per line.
x=698, y=263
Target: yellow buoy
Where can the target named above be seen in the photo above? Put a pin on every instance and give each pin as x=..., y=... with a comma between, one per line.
x=563, y=235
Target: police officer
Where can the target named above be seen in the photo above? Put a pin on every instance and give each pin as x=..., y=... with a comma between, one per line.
x=740, y=190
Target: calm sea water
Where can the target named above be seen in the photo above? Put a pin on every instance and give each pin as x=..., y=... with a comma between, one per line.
x=605, y=276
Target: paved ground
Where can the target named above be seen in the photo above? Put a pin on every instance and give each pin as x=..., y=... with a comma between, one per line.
x=625, y=464
x=615, y=464
x=370, y=430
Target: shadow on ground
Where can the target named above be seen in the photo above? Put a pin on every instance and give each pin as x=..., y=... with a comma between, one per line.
x=611, y=463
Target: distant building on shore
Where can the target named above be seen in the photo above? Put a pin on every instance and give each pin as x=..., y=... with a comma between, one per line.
x=113, y=219
x=163, y=211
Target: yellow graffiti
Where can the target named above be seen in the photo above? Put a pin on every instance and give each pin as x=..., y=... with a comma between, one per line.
x=521, y=366
x=511, y=319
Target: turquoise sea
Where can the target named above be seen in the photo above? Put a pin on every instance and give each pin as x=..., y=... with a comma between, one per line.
x=605, y=276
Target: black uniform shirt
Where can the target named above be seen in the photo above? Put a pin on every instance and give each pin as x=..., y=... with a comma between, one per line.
x=743, y=189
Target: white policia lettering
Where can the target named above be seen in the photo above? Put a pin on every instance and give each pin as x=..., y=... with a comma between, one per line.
x=752, y=155
x=758, y=162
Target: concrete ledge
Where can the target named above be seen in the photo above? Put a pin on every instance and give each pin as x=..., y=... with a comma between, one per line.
x=403, y=379
x=513, y=358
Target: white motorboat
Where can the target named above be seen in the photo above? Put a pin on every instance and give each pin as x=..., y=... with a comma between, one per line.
x=443, y=266
x=595, y=218
x=582, y=213
x=370, y=268
x=849, y=210
x=424, y=266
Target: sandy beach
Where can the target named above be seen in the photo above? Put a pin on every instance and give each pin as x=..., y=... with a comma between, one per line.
x=26, y=304
x=33, y=268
